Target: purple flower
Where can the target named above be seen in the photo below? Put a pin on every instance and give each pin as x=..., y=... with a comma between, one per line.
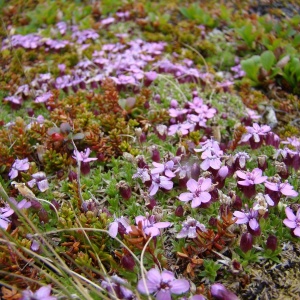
x=248, y=218
x=181, y=128
x=149, y=225
x=107, y=21
x=189, y=228
x=42, y=293
x=5, y=212
x=40, y=180
x=211, y=161
x=211, y=153
x=164, y=168
x=160, y=182
x=113, y=227
x=219, y=292
x=43, y=98
x=83, y=156
x=262, y=202
x=162, y=285
x=292, y=221
x=255, y=134
x=116, y=284
x=284, y=188
x=199, y=191
x=252, y=114
x=18, y=165
x=14, y=100
x=62, y=27
x=251, y=178
x=240, y=159
x=143, y=174
x=23, y=204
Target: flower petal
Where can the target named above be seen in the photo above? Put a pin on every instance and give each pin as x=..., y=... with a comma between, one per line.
x=206, y=184
x=163, y=295
x=113, y=229
x=3, y=224
x=154, y=276
x=167, y=276
x=289, y=223
x=153, y=231
x=241, y=174
x=162, y=224
x=290, y=214
x=185, y=197
x=196, y=202
x=253, y=224
x=179, y=286
x=297, y=231
x=192, y=185
x=44, y=291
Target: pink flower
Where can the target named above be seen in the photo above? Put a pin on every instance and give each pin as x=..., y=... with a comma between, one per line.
x=199, y=192
x=5, y=212
x=116, y=285
x=189, y=228
x=255, y=132
x=284, y=188
x=240, y=159
x=160, y=182
x=292, y=221
x=181, y=128
x=43, y=98
x=164, y=168
x=248, y=218
x=42, y=293
x=40, y=180
x=163, y=284
x=149, y=225
x=219, y=292
x=211, y=161
x=18, y=165
x=251, y=178
x=113, y=227
x=143, y=174
x=83, y=156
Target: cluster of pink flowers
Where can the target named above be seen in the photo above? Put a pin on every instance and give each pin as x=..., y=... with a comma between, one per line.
x=194, y=115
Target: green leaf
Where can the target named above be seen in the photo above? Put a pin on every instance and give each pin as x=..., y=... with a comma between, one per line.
x=267, y=60
x=251, y=67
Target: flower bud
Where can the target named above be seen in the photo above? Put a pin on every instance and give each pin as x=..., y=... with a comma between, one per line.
x=262, y=162
x=43, y=216
x=180, y=151
x=213, y=221
x=35, y=204
x=219, y=292
x=55, y=203
x=85, y=168
x=157, y=98
x=101, y=157
x=124, y=189
x=179, y=211
x=246, y=242
x=195, y=171
x=155, y=155
x=152, y=202
x=143, y=137
x=128, y=262
x=271, y=242
x=141, y=163
x=162, y=132
x=72, y=175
